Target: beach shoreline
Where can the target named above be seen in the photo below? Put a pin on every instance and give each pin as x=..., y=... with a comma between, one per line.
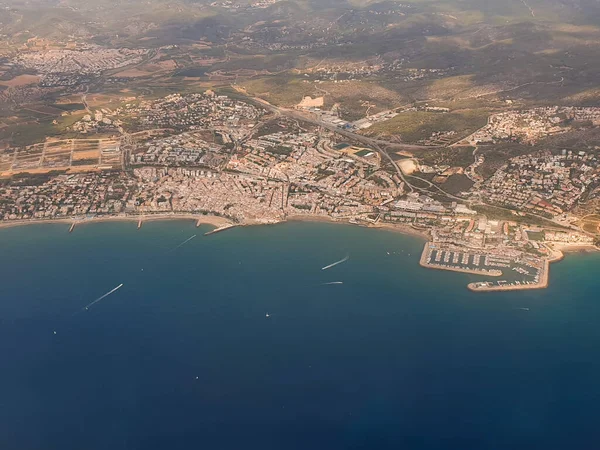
x=219, y=223
x=402, y=229
x=200, y=219
x=575, y=248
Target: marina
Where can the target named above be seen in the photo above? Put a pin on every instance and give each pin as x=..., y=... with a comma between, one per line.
x=520, y=271
x=177, y=320
x=436, y=257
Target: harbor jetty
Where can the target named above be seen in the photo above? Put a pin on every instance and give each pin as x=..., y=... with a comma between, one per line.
x=533, y=270
x=540, y=272
x=219, y=229
x=434, y=257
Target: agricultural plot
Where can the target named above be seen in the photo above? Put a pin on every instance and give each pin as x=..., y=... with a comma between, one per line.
x=110, y=153
x=7, y=158
x=56, y=154
x=86, y=152
x=29, y=157
x=80, y=154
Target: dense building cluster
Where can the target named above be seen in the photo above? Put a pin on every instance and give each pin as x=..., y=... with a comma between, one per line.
x=210, y=154
x=87, y=60
x=531, y=125
x=229, y=4
x=544, y=183
x=185, y=149
x=194, y=111
x=229, y=119
x=95, y=193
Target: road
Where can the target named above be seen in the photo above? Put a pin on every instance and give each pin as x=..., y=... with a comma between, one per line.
x=84, y=100
x=382, y=146
x=376, y=144
x=349, y=134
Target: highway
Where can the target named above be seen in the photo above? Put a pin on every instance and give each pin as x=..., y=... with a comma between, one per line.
x=349, y=134
x=381, y=147
x=376, y=144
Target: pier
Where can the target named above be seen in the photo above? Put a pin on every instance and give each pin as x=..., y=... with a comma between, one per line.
x=140, y=223
x=219, y=229
x=491, y=263
x=72, y=227
x=445, y=263
x=539, y=281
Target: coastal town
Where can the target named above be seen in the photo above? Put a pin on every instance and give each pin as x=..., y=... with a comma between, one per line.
x=333, y=224
x=529, y=126
x=209, y=155
x=543, y=183
x=87, y=59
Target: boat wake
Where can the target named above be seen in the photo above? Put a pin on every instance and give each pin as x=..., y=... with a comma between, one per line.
x=336, y=263
x=85, y=308
x=184, y=242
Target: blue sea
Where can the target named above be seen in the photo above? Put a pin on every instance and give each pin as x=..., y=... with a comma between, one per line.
x=183, y=355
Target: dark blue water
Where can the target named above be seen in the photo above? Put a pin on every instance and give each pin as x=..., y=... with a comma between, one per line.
x=184, y=357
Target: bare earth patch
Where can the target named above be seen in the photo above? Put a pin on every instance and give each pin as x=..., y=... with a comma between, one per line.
x=408, y=166
x=21, y=80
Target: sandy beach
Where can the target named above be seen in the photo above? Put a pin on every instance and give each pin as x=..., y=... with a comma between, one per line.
x=397, y=228
x=199, y=219
x=217, y=221
x=557, y=251
x=403, y=229
x=575, y=248
x=311, y=218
